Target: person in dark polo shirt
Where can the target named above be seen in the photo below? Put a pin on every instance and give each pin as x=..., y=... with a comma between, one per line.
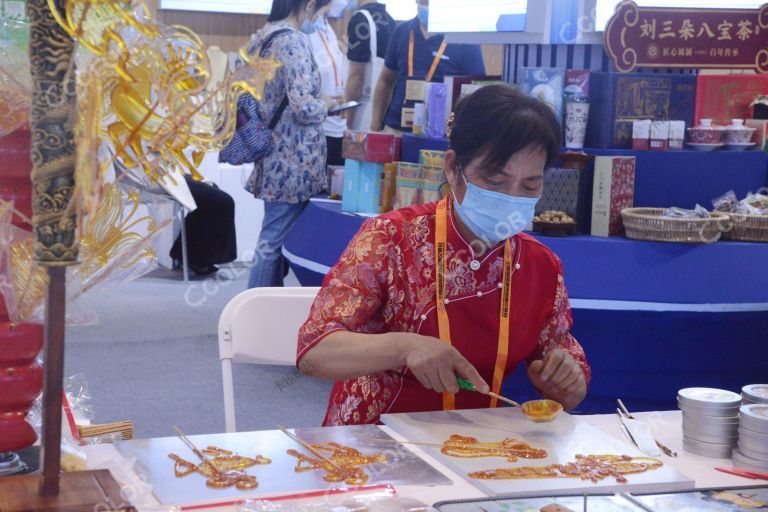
x=416, y=55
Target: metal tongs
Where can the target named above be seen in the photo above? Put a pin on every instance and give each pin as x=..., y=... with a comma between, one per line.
x=630, y=428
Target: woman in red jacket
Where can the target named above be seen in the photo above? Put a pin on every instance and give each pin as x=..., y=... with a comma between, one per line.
x=433, y=292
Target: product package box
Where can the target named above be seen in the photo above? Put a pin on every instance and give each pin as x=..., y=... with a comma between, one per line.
x=431, y=158
x=761, y=133
x=576, y=83
x=413, y=144
x=436, y=115
x=336, y=180
x=619, y=99
x=612, y=191
x=352, y=176
x=381, y=148
x=455, y=83
x=546, y=84
x=407, y=185
x=569, y=191
x=432, y=178
x=725, y=97
x=353, y=146
x=659, y=136
x=388, y=184
x=369, y=194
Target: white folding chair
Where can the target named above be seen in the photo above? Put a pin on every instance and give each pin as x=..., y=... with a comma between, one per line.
x=260, y=326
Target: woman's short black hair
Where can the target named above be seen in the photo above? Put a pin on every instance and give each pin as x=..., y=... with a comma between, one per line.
x=497, y=121
x=281, y=9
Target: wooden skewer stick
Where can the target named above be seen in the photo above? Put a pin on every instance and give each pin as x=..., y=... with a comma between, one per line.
x=504, y=399
x=197, y=452
x=310, y=449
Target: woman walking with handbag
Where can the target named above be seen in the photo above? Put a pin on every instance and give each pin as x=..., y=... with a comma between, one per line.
x=293, y=170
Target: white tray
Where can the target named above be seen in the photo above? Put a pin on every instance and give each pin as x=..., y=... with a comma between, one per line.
x=278, y=477
x=563, y=439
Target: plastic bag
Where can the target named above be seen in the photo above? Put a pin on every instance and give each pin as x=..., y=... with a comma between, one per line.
x=726, y=203
x=681, y=213
x=754, y=204
x=77, y=408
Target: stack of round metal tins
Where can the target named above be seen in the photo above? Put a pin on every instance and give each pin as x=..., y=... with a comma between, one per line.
x=710, y=421
x=754, y=394
x=752, y=452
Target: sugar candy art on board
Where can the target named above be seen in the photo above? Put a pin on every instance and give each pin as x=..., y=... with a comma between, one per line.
x=585, y=467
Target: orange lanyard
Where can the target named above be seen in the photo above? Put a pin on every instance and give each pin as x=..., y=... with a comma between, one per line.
x=441, y=247
x=435, y=63
x=330, y=55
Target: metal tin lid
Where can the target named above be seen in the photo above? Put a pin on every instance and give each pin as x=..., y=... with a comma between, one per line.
x=708, y=397
x=710, y=420
x=711, y=430
x=757, y=426
x=712, y=439
x=709, y=412
x=754, y=449
x=719, y=451
x=755, y=412
x=761, y=437
x=742, y=460
x=757, y=393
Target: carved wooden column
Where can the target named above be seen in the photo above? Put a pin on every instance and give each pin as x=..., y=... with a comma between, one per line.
x=52, y=123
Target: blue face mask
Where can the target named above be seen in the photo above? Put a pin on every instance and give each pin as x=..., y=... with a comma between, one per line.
x=423, y=14
x=352, y=5
x=494, y=216
x=308, y=27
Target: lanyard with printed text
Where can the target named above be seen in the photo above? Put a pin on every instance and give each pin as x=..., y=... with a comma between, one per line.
x=435, y=63
x=441, y=246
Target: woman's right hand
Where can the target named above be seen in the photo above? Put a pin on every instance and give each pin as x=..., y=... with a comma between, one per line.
x=436, y=364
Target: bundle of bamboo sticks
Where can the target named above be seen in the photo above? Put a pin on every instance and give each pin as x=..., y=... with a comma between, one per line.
x=125, y=428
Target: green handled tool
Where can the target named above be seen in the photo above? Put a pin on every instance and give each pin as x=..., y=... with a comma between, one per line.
x=468, y=386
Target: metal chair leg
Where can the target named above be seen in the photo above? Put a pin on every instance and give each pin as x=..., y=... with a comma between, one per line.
x=184, y=260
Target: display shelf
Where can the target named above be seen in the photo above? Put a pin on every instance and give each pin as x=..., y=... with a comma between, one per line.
x=685, y=178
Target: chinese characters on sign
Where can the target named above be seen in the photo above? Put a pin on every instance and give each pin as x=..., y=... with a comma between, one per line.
x=662, y=37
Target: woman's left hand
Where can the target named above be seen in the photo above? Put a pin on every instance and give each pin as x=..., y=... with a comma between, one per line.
x=559, y=377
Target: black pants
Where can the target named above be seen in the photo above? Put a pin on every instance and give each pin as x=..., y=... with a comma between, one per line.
x=334, y=151
x=211, y=235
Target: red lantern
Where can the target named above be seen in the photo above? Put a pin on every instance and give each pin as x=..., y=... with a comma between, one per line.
x=21, y=381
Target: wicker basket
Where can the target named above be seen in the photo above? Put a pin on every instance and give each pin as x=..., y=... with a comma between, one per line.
x=648, y=224
x=748, y=228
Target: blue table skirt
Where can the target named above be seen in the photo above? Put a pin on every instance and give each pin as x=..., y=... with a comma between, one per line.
x=653, y=317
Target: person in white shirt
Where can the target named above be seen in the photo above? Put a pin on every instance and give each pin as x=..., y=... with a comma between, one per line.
x=334, y=70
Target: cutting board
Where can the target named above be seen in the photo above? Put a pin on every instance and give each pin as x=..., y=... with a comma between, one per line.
x=153, y=463
x=562, y=439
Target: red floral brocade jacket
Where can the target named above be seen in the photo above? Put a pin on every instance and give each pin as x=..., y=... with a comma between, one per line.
x=385, y=282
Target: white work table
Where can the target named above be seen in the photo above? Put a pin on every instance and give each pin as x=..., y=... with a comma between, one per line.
x=666, y=426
